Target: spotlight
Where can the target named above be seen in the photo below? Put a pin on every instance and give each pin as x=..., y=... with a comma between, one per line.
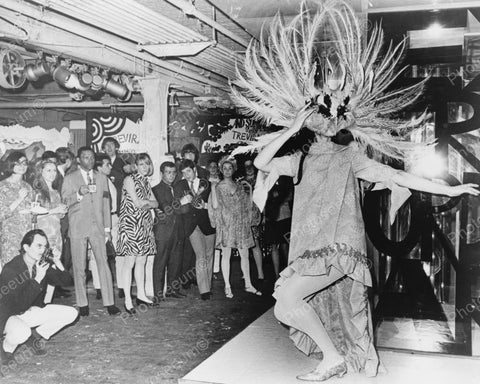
x=72, y=82
x=61, y=75
x=85, y=81
x=33, y=72
x=97, y=83
x=116, y=89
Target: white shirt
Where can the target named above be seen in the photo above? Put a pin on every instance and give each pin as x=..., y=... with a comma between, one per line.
x=85, y=173
x=194, y=185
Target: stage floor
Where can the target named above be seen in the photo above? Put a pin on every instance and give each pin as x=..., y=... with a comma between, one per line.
x=263, y=354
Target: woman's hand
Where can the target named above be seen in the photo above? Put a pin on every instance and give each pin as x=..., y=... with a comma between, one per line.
x=22, y=194
x=144, y=204
x=471, y=189
x=62, y=209
x=300, y=118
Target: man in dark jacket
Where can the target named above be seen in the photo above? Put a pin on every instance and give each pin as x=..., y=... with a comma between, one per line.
x=23, y=283
x=197, y=224
x=169, y=234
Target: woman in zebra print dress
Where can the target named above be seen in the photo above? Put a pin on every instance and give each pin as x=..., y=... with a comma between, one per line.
x=136, y=240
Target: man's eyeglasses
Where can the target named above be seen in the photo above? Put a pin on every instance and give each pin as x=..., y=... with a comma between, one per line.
x=24, y=162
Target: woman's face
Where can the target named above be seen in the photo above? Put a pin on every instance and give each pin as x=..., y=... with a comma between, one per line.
x=49, y=172
x=143, y=167
x=227, y=170
x=213, y=168
x=20, y=166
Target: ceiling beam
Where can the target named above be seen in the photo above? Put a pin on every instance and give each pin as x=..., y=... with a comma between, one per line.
x=425, y=7
x=177, y=50
x=101, y=37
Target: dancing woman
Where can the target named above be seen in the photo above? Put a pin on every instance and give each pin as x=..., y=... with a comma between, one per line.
x=322, y=294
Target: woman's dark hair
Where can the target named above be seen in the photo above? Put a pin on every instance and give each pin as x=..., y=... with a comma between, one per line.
x=187, y=164
x=28, y=239
x=64, y=154
x=40, y=186
x=110, y=140
x=343, y=137
x=47, y=155
x=12, y=160
x=192, y=149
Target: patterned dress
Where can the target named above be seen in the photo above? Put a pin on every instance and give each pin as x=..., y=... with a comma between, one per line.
x=233, y=217
x=50, y=224
x=328, y=230
x=13, y=225
x=135, y=232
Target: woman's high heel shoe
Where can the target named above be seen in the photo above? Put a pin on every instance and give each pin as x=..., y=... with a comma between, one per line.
x=141, y=302
x=130, y=311
x=228, y=293
x=319, y=374
x=253, y=290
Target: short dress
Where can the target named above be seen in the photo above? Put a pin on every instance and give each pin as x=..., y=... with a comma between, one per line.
x=13, y=225
x=233, y=218
x=135, y=230
x=328, y=230
x=50, y=224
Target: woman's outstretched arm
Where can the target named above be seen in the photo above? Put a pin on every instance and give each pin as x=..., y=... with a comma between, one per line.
x=410, y=181
x=262, y=161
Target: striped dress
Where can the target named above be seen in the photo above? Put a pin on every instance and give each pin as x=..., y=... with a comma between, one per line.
x=135, y=232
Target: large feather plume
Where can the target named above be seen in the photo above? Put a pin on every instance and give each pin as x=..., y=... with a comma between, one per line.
x=290, y=67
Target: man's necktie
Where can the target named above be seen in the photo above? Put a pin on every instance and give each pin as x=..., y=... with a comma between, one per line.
x=34, y=271
x=190, y=183
x=89, y=179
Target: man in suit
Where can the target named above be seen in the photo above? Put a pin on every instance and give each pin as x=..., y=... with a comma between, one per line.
x=190, y=152
x=197, y=224
x=24, y=317
x=169, y=234
x=86, y=193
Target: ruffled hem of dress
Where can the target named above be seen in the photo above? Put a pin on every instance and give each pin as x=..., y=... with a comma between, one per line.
x=354, y=265
x=346, y=259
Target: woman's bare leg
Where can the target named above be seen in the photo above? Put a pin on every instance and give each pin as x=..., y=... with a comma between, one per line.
x=225, y=265
x=292, y=309
x=139, y=273
x=126, y=276
x=276, y=259
x=149, y=276
x=258, y=257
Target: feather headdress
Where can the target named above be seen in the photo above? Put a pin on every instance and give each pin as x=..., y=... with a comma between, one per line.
x=322, y=59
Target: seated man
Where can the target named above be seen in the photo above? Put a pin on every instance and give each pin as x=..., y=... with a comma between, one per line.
x=23, y=282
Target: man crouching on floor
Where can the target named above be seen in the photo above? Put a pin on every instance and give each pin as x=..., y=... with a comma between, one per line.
x=23, y=315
